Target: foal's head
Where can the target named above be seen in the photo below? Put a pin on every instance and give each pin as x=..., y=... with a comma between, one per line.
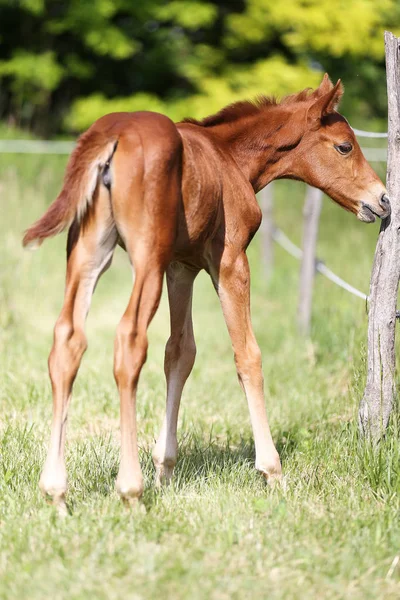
x=329, y=157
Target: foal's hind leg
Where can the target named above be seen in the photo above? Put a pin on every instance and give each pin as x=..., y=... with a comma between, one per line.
x=90, y=250
x=130, y=355
x=180, y=353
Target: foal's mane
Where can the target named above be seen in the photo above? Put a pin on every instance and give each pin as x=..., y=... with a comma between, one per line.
x=247, y=108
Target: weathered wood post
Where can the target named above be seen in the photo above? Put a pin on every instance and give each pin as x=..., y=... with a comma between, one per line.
x=267, y=230
x=311, y=212
x=377, y=402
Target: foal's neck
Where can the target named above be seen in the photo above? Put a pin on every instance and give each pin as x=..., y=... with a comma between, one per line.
x=261, y=144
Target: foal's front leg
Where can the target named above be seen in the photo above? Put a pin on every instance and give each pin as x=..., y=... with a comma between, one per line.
x=232, y=282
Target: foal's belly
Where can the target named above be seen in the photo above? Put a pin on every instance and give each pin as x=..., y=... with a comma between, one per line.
x=200, y=221
x=200, y=217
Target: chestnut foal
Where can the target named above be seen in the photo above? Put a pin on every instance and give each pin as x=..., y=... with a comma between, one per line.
x=180, y=198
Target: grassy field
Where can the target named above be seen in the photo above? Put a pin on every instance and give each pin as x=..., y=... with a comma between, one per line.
x=218, y=532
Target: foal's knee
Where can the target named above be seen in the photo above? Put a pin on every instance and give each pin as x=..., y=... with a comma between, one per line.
x=249, y=363
x=130, y=354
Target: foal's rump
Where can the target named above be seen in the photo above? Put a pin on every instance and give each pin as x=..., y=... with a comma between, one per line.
x=136, y=156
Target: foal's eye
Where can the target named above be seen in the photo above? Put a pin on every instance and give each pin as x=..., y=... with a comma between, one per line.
x=344, y=148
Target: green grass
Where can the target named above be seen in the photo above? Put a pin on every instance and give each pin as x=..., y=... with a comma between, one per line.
x=218, y=532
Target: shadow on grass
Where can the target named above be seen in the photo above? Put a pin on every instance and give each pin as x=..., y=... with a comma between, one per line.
x=205, y=461
x=92, y=463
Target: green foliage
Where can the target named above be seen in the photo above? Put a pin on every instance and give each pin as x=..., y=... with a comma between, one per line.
x=86, y=110
x=343, y=28
x=188, y=13
x=34, y=6
x=64, y=63
x=278, y=76
x=92, y=21
x=32, y=71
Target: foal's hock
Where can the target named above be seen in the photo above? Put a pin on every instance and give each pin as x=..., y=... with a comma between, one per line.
x=180, y=198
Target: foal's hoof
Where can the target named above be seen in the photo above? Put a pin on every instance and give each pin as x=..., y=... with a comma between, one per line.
x=130, y=494
x=54, y=493
x=275, y=481
x=62, y=507
x=134, y=505
x=58, y=501
x=271, y=473
x=163, y=476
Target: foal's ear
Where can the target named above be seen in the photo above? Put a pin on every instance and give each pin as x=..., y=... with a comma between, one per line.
x=326, y=103
x=325, y=86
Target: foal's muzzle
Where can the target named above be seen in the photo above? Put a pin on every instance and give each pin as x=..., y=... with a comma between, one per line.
x=368, y=212
x=384, y=202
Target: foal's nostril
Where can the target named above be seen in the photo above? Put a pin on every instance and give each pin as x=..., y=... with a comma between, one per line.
x=385, y=202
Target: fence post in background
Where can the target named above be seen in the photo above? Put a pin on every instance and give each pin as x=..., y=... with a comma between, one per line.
x=377, y=402
x=311, y=212
x=267, y=230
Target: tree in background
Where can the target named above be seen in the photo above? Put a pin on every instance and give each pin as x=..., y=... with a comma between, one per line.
x=65, y=63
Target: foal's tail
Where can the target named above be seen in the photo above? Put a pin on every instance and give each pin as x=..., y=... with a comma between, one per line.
x=93, y=151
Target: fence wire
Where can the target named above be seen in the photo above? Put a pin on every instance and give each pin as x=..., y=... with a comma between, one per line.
x=370, y=134
x=35, y=147
x=283, y=241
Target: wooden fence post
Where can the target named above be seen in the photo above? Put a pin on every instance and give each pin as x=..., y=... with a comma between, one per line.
x=267, y=229
x=377, y=402
x=311, y=212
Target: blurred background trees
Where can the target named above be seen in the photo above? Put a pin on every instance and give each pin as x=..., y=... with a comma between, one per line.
x=65, y=63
